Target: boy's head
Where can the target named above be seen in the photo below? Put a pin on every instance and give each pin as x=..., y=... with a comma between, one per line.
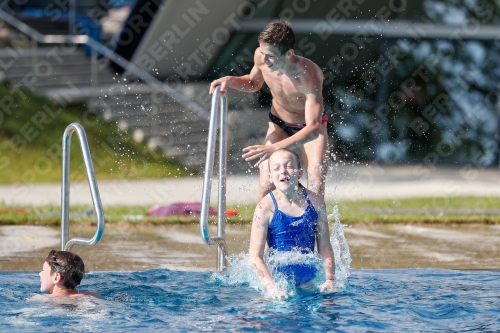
x=61, y=267
x=278, y=34
x=284, y=167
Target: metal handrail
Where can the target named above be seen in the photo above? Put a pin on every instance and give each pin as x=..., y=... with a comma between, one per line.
x=101, y=49
x=66, y=244
x=219, y=103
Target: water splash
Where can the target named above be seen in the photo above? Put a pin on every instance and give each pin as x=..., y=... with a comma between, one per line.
x=242, y=274
x=340, y=250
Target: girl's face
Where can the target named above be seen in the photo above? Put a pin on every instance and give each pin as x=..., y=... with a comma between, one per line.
x=284, y=172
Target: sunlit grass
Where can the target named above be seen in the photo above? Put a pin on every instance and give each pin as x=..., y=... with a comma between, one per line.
x=31, y=131
x=442, y=210
x=421, y=210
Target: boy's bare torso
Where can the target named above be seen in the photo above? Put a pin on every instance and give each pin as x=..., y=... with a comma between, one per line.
x=289, y=89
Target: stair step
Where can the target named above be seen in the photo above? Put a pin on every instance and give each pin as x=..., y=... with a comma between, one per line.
x=159, y=128
x=77, y=68
x=136, y=98
x=199, y=155
x=141, y=108
x=171, y=133
x=134, y=106
x=26, y=61
x=60, y=79
x=136, y=113
x=151, y=113
x=51, y=86
x=48, y=26
x=195, y=145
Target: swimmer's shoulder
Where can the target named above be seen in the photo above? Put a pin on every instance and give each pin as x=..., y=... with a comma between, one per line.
x=39, y=297
x=314, y=73
x=87, y=293
x=314, y=68
x=266, y=206
x=47, y=297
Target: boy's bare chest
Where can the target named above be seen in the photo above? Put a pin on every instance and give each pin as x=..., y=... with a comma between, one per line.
x=284, y=88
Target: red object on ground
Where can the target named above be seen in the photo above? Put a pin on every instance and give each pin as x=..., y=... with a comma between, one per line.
x=15, y=210
x=231, y=212
x=179, y=208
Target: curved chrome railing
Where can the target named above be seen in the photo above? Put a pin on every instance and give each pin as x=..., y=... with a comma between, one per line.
x=219, y=105
x=66, y=244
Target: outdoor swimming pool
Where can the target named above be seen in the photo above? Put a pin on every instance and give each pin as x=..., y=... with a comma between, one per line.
x=427, y=300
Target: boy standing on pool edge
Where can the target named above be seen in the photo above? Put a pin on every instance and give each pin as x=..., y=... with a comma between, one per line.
x=296, y=119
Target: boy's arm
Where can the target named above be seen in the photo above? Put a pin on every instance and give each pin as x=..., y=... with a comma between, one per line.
x=313, y=115
x=258, y=238
x=247, y=83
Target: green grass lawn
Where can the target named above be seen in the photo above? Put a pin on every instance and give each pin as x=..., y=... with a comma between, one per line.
x=422, y=210
x=444, y=210
x=31, y=129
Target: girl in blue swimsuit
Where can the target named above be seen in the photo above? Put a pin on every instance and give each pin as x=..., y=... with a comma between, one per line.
x=290, y=219
x=293, y=233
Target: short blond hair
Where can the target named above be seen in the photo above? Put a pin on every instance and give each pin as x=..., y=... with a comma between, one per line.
x=297, y=158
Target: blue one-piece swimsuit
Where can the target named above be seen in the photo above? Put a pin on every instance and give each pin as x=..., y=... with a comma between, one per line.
x=287, y=233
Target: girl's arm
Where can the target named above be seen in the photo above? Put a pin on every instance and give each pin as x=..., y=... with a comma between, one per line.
x=258, y=236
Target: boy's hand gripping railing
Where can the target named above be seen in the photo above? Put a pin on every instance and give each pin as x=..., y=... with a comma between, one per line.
x=219, y=102
x=66, y=244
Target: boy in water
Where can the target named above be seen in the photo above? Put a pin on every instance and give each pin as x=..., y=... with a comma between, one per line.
x=290, y=218
x=296, y=119
x=62, y=272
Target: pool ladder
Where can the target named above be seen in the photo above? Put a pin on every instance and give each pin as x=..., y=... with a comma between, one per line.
x=219, y=105
x=66, y=244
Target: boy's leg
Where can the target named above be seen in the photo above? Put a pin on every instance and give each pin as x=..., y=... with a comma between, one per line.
x=274, y=134
x=315, y=156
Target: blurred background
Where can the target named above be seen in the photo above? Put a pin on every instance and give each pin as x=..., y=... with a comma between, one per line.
x=411, y=89
x=405, y=82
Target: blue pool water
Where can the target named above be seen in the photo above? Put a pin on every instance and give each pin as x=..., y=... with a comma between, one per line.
x=413, y=300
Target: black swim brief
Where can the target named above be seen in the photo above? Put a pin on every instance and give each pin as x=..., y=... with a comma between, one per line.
x=291, y=129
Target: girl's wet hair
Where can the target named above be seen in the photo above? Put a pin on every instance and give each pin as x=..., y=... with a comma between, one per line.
x=297, y=158
x=69, y=265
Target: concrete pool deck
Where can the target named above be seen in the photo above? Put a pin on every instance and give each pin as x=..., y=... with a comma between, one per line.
x=129, y=247
x=180, y=247
x=343, y=183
